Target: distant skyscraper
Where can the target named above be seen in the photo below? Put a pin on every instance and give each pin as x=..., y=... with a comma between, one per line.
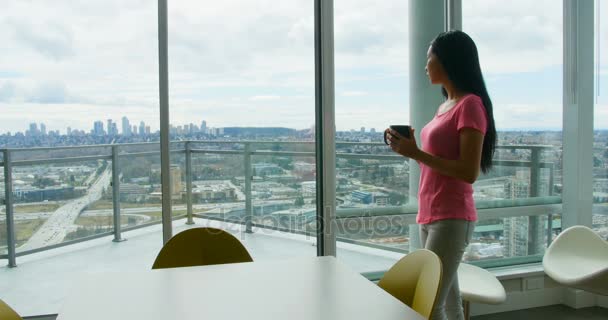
x=142, y=128
x=362, y=129
x=126, y=127
x=98, y=128
x=114, y=129
x=517, y=236
x=109, y=126
x=372, y=130
x=147, y=130
x=68, y=131
x=43, y=129
x=204, y=126
x=134, y=130
x=33, y=129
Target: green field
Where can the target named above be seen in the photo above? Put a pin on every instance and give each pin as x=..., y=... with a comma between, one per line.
x=25, y=229
x=107, y=204
x=30, y=208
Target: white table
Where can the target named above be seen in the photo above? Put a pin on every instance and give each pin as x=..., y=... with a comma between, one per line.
x=310, y=288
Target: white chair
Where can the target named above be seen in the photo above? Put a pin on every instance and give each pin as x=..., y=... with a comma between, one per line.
x=480, y=286
x=578, y=258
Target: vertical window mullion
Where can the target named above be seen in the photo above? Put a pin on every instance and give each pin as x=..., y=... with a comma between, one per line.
x=578, y=113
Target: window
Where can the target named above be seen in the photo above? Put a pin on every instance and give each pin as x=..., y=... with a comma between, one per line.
x=371, y=74
x=75, y=74
x=242, y=95
x=520, y=49
x=600, y=143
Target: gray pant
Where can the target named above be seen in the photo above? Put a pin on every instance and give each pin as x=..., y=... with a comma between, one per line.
x=448, y=239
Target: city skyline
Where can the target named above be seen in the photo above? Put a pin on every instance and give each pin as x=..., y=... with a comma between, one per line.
x=99, y=129
x=85, y=65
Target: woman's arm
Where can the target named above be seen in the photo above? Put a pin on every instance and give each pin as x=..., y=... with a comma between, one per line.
x=466, y=168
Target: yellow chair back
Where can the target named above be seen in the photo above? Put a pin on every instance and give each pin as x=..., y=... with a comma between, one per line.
x=415, y=281
x=201, y=246
x=7, y=313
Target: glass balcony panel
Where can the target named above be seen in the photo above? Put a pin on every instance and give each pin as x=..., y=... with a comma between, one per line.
x=50, y=200
x=599, y=218
x=372, y=93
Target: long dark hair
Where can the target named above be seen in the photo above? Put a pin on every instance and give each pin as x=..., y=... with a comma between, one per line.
x=458, y=55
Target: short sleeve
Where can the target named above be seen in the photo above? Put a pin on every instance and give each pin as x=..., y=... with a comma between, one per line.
x=472, y=114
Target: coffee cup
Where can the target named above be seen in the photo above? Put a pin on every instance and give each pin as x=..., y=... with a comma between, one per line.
x=403, y=130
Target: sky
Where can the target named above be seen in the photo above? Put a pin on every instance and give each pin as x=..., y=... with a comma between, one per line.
x=251, y=63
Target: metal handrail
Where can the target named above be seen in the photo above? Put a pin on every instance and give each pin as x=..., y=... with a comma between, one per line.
x=532, y=209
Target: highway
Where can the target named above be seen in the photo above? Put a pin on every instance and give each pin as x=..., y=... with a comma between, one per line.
x=61, y=222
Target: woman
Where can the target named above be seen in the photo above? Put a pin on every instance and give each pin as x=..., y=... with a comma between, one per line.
x=457, y=143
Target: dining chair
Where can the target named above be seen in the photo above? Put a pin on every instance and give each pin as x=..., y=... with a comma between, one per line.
x=201, y=246
x=415, y=281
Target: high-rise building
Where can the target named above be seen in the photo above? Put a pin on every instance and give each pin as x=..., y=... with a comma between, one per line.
x=98, y=128
x=33, y=131
x=204, y=126
x=142, y=128
x=126, y=127
x=109, y=126
x=43, y=129
x=372, y=130
x=68, y=131
x=134, y=130
x=362, y=129
x=114, y=129
x=517, y=236
x=147, y=130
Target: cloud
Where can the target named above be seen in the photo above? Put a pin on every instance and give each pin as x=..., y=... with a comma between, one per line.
x=7, y=91
x=50, y=38
x=255, y=59
x=537, y=116
x=600, y=117
x=515, y=36
x=265, y=98
x=48, y=93
x=353, y=93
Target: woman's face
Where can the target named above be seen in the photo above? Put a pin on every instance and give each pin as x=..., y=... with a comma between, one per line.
x=434, y=69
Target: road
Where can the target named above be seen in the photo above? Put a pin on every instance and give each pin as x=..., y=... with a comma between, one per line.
x=61, y=222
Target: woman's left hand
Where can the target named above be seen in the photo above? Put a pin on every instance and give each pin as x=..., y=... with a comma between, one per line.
x=406, y=147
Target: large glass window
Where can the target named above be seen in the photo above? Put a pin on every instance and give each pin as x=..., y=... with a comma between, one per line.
x=371, y=72
x=520, y=48
x=242, y=98
x=600, y=143
x=72, y=75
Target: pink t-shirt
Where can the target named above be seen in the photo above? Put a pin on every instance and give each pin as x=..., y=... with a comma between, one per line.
x=441, y=197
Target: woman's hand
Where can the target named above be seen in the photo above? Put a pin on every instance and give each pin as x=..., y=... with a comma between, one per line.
x=406, y=147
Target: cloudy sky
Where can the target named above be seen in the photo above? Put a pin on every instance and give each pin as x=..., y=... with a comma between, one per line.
x=251, y=63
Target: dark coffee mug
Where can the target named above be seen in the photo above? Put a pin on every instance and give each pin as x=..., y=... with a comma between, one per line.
x=402, y=129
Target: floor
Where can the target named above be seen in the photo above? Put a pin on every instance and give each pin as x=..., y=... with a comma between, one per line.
x=555, y=312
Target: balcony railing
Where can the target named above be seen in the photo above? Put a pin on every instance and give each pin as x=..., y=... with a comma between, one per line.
x=532, y=207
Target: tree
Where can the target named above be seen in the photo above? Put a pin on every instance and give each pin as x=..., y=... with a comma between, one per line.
x=395, y=198
x=43, y=182
x=299, y=201
x=596, y=162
